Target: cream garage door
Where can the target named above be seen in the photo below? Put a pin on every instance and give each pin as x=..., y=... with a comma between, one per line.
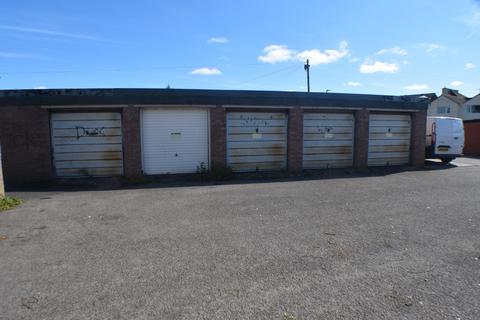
x=327, y=140
x=256, y=141
x=174, y=140
x=389, y=139
x=87, y=144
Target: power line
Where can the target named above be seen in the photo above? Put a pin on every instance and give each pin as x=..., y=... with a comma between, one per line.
x=119, y=69
x=264, y=76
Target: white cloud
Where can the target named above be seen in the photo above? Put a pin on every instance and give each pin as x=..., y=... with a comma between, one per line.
x=206, y=71
x=317, y=57
x=354, y=59
x=456, y=83
x=416, y=87
x=276, y=53
x=353, y=84
x=15, y=55
x=378, y=66
x=217, y=40
x=431, y=47
x=281, y=53
x=394, y=50
x=40, y=88
x=50, y=33
x=469, y=66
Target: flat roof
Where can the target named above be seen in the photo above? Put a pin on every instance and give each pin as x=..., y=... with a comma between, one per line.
x=98, y=97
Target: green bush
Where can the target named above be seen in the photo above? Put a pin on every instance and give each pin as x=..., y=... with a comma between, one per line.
x=9, y=203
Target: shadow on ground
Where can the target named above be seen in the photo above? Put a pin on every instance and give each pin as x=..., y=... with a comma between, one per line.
x=192, y=180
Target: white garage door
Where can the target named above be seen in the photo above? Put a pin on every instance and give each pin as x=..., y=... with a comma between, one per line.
x=87, y=144
x=389, y=139
x=174, y=140
x=327, y=140
x=256, y=141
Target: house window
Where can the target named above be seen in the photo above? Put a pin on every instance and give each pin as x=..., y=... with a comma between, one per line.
x=441, y=110
x=475, y=109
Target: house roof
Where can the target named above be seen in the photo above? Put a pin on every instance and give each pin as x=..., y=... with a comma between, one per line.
x=424, y=96
x=88, y=97
x=454, y=96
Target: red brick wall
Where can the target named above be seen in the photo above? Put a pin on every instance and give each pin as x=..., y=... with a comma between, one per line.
x=27, y=153
x=295, y=140
x=417, y=144
x=218, y=136
x=472, y=138
x=26, y=149
x=360, y=147
x=132, y=146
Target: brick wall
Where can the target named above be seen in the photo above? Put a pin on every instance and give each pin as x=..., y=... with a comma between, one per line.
x=26, y=149
x=27, y=153
x=417, y=144
x=218, y=136
x=295, y=140
x=132, y=146
x=360, y=153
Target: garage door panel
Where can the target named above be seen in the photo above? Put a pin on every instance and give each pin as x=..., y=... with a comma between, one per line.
x=262, y=130
x=87, y=144
x=328, y=140
x=89, y=172
x=86, y=124
x=76, y=132
x=89, y=156
x=328, y=122
x=86, y=116
x=389, y=136
x=389, y=139
x=327, y=156
x=257, y=158
x=327, y=116
x=258, y=144
x=88, y=140
x=174, y=140
x=257, y=123
x=390, y=161
x=259, y=151
x=256, y=136
x=328, y=137
x=387, y=148
x=81, y=148
x=249, y=116
x=389, y=117
x=393, y=130
x=258, y=166
x=78, y=164
x=256, y=141
x=320, y=129
x=326, y=143
x=347, y=149
x=393, y=124
x=326, y=164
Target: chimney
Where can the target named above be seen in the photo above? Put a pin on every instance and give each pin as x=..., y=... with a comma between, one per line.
x=449, y=92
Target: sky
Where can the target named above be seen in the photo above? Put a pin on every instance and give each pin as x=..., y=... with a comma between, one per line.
x=390, y=47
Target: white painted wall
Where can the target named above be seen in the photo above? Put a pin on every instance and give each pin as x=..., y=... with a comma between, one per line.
x=467, y=113
x=442, y=101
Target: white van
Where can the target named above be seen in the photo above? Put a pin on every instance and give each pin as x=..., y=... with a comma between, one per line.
x=445, y=138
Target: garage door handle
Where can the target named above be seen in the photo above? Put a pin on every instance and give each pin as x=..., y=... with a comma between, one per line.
x=176, y=154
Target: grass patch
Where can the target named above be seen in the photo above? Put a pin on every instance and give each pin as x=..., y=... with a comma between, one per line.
x=9, y=203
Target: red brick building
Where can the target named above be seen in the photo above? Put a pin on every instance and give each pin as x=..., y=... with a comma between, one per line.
x=67, y=133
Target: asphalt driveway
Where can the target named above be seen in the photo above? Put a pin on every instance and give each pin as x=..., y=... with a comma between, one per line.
x=402, y=245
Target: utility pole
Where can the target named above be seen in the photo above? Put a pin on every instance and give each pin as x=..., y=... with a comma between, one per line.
x=307, y=68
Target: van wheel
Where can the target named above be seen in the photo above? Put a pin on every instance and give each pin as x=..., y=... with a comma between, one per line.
x=447, y=160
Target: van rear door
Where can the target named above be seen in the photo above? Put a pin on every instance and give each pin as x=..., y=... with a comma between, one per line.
x=449, y=137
